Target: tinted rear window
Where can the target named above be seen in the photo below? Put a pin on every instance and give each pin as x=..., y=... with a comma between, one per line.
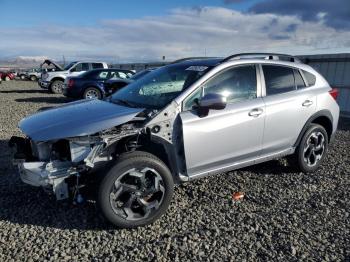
x=310, y=78
x=278, y=79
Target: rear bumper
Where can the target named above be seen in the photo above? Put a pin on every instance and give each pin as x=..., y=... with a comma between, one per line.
x=71, y=92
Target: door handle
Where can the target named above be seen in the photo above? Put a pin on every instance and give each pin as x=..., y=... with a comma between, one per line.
x=307, y=103
x=255, y=112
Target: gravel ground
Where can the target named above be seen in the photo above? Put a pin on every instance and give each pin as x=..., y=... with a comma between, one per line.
x=284, y=215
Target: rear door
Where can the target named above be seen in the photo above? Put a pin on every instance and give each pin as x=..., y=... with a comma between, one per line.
x=225, y=137
x=288, y=107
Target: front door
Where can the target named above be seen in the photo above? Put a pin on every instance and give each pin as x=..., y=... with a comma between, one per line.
x=225, y=137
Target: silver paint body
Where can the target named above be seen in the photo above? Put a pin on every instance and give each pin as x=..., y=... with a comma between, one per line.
x=251, y=131
x=242, y=134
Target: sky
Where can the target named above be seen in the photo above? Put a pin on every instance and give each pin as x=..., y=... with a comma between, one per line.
x=141, y=31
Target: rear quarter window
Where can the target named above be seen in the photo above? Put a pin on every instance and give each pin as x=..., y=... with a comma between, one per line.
x=310, y=78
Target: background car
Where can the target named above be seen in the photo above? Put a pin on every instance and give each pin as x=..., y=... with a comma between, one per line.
x=32, y=74
x=7, y=76
x=54, y=80
x=91, y=84
x=115, y=83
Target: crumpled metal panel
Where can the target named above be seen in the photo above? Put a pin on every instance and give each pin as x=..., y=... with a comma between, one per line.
x=75, y=119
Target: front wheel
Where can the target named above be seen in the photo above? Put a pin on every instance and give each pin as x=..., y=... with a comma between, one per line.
x=57, y=87
x=7, y=78
x=136, y=191
x=312, y=149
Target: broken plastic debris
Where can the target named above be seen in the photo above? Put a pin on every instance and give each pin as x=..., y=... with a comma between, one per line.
x=237, y=196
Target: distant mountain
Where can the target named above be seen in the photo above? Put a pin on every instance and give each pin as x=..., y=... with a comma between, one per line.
x=22, y=62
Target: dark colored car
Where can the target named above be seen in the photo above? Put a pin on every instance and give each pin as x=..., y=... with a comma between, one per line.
x=7, y=76
x=114, y=84
x=91, y=84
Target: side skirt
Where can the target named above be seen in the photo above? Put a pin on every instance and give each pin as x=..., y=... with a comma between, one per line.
x=242, y=164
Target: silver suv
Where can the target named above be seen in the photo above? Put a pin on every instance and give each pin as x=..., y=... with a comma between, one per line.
x=180, y=122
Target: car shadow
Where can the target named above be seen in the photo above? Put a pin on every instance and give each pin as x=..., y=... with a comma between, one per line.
x=272, y=167
x=38, y=91
x=48, y=100
x=27, y=205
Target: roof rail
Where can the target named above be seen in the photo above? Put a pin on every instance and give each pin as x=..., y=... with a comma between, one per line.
x=267, y=56
x=191, y=58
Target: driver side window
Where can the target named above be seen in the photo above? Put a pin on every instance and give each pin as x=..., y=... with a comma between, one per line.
x=236, y=84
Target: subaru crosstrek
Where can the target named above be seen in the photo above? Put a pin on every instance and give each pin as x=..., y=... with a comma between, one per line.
x=180, y=122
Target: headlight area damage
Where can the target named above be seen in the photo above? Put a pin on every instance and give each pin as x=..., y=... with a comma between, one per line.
x=60, y=164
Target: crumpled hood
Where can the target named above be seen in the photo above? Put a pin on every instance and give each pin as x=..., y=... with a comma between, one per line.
x=79, y=118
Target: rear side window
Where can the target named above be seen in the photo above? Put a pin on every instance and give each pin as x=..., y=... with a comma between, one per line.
x=278, y=79
x=299, y=82
x=103, y=75
x=122, y=75
x=310, y=78
x=97, y=65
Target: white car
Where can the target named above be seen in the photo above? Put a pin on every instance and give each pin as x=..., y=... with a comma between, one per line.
x=54, y=80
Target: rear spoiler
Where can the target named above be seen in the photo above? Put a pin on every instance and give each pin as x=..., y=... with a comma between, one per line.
x=49, y=63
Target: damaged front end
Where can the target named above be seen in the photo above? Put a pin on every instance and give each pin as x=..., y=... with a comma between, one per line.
x=61, y=164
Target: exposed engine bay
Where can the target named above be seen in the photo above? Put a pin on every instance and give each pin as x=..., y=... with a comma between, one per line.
x=49, y=164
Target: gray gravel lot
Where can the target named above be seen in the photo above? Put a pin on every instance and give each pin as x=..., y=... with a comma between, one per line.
x=284, y=215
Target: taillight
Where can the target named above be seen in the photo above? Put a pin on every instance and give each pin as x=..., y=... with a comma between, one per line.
x=334, y=93
x=70, y=82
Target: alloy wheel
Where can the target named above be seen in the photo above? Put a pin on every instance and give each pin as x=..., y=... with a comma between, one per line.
x=57, y=87
x=137, y=194
x=314, y=148
x=91, y=94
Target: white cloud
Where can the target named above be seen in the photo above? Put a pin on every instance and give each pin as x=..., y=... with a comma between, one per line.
x=183, y=32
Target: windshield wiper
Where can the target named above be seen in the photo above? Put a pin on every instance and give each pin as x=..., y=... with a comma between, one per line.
x=123, y=102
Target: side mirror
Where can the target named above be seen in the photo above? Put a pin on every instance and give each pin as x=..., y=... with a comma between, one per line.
x=211, y=101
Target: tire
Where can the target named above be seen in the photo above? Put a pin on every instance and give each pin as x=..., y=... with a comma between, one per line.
x=56, y=87
x=114, y=189
x=33, y=78
x=22, y=77
x=7, y=78
x=311, y=150
x=92, y=93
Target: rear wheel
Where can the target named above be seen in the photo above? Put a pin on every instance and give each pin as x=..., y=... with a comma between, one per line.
x=23, y=77
x=7, y=78
x=136, y=191
x=312, y=149
x=57, y=87
x=92, y=93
